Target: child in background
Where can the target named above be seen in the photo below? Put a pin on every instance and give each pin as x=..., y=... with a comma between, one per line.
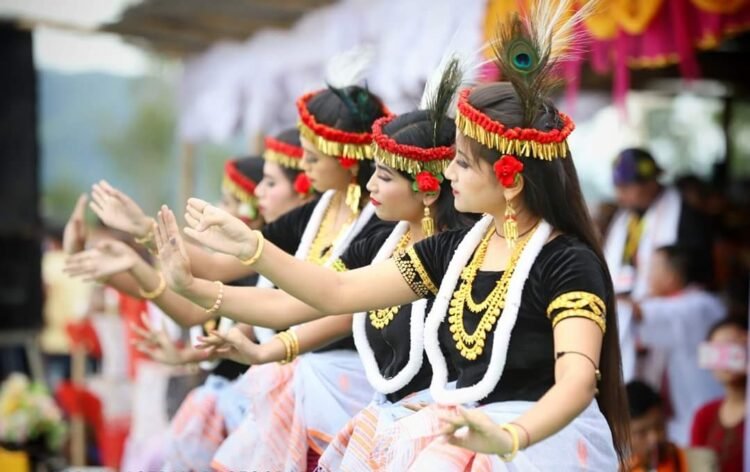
x=674, y=320
x=720, y=424
x=651, y=451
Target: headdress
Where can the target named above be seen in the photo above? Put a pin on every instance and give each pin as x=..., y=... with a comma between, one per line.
x=424, y=164
x=527, y=50
x=344, y=70
x=282, y=153
x=241, y=177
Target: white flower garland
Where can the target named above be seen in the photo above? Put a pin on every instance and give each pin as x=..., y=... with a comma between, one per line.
x=308, y=236
x=503, y=328
x=416, y=330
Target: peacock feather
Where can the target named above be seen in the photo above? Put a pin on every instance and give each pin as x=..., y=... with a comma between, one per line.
x=529, y=46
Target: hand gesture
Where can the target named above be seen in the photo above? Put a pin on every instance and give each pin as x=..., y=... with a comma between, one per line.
x=118, y=211
x=109, y=257
x=218, y=230
x=474, y=430
x=74, y=235
x=175, y=262
x=155, y=343
x=233, y=345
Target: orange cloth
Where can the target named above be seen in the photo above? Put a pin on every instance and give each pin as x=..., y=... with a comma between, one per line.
x=674, y=460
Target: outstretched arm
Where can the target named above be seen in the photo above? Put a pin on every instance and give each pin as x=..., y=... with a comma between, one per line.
x=234, y=345
x=377, y=286
x=117, y=210
x=118, y=265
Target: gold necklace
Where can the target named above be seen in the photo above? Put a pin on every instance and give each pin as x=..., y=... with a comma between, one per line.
x=379, y=319
x=471, y=345
x=321, y=245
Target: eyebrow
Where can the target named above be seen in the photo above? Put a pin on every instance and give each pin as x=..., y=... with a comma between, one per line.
x=384, y=168
x=458, y=151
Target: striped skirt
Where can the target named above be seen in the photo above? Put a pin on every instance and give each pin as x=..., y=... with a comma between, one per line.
x=584, y=444
x=363, y=444
x=302, y=408
x=205, y=418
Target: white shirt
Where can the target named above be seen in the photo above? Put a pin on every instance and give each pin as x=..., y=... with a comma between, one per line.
x=676, y=325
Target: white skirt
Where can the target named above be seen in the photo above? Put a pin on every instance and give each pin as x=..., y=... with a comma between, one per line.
x=584, y=444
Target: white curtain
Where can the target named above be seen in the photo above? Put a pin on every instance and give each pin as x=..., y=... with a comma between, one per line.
x=250, y=88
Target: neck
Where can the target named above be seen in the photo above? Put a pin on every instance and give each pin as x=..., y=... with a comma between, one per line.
x=415, y=229
x=735, y=393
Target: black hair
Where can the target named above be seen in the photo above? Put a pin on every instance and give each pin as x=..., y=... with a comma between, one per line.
x=686, y=262
x=641, y=398
x=415, y=129
x=353, y=109
x=553, y=192
x=739, y=322
x=290, y=136
x=251, y=167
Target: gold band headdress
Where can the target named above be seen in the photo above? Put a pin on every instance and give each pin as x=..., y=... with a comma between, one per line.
x=527, y=50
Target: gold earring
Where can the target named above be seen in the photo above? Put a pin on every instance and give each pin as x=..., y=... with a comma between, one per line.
x=510, y=226
x=428, y=224
x=353, y=196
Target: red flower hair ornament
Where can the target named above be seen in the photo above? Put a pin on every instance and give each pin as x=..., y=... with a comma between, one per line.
x=302, y=184
x=507, y=169
x=427, y=182
x=347, y=162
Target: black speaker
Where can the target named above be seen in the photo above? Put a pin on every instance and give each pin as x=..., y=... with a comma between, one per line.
x=20, y=228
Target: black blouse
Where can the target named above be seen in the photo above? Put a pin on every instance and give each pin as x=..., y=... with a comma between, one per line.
x=391, y=344
x=286, y=233
x=566, y=280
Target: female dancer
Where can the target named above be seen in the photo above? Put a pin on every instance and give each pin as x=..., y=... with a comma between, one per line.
x=411, y=151
x=213, y=410
x=527, y=355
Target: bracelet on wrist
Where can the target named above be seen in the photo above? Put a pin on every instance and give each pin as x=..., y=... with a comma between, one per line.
x=258, y=249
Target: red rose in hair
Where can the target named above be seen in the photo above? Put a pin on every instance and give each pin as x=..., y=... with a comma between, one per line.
x=302, y=184
x=426, y=182
x=347, y=162
x=506, y=170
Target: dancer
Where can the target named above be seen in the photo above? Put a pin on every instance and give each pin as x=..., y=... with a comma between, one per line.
x=542, y=344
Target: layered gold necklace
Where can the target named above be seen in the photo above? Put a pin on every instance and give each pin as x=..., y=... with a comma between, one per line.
x=379, y=319
x=322, y=245
x=471, y=345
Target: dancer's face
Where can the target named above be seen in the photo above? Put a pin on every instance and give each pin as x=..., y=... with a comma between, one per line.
x=238, y=209
x=475, y=187
x=275, y=193
x=324, y=171
x=393, y=197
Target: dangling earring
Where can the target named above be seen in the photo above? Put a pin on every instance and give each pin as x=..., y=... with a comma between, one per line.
x=428, y=224
x=510, y=226
x=353, y=195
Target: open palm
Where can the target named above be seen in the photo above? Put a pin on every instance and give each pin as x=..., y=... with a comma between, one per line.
x=119, y=211
x=106, y=259
x=155, y=343
x=175, y=262
x=74, y=235
x=218, y=230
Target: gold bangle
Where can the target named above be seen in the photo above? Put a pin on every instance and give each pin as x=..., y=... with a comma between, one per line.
x=149, y=236
x=219, y=298
x=155, y=293
x=258, y=249
x=284, y=338
x=511, y=429
x=295, y=343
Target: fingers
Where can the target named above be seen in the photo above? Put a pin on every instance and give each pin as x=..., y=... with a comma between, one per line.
x=80, y=208
x=194, y=216
x=159, y=236
x=98, y=210
x=197, y=204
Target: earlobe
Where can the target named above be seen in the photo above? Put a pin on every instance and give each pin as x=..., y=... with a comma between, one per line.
x=512, y=192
